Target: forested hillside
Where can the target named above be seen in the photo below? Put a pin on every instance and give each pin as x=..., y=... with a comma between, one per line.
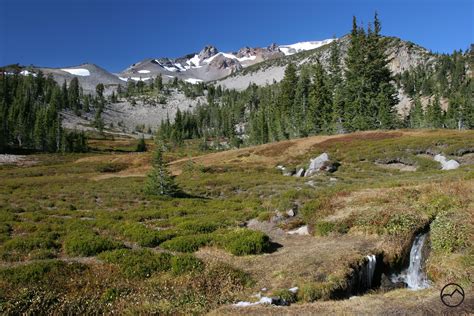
x=30, y=113
x=350, y=88
x=316, y=100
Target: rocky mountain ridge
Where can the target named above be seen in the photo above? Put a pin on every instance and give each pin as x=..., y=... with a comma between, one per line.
x=210, y=63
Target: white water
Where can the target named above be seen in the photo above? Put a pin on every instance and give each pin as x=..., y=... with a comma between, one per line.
x=414, y=276
x=370, y=269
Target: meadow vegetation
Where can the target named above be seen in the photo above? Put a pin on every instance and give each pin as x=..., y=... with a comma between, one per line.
x=72, y=242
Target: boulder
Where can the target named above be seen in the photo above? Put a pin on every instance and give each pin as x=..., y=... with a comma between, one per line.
x=321, y=163
x=446, y=164
x=302, y=231
x=291, y=212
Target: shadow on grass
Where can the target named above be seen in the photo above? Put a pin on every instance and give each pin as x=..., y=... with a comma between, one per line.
x=273, y=247
x=184, y=195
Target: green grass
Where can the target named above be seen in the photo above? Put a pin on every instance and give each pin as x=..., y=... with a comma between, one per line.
x=58, y=209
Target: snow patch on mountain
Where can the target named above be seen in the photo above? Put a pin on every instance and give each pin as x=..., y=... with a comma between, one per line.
x=194, y=61
x=302, y=46
x=77, y=71
x=26, y=73
x=140, y=78
x=172, y=69
x=193, y=80
x=144, y=71
x=230, y=56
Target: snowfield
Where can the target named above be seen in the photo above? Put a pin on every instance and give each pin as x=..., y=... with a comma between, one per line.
x=303, y=46
x=144, y=71
x=140, y=78
x=26, y=73
x=77, y=71
x=230, y=56
x=193, y=80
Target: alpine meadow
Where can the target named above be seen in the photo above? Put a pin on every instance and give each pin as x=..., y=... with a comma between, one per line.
x=329, y=177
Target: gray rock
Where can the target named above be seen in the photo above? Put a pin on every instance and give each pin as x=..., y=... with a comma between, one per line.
x=291, y=212
x=316, y=164
x=446, y=164
x=278, y=217
x=207, y=52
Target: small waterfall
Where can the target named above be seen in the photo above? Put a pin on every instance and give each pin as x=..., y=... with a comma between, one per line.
x=363, y=278
x=414, y=276
x=371, y=269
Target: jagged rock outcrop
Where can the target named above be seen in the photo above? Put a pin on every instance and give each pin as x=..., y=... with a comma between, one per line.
x=207, y=52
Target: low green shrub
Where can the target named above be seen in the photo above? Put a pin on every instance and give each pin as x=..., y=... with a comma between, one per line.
x=184, y=263
x=88, y=243
x=433, y=204
x=199, y=226
x=323, y=228
x=38, y=271
x=137, y=263
x=42, y=254
x=448, y=234
x=19, y=248
x=286, y=296
x=144, y=236
x=402, y=223
x=243, y=242
x=310, y=292
x=189, y=243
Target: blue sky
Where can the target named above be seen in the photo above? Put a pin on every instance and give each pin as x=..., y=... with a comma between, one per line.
x=115, y=34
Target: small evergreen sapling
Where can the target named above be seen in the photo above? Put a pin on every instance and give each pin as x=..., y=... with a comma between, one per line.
x=160, y=182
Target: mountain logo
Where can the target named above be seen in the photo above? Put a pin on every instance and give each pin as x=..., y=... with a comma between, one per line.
x=452, y=295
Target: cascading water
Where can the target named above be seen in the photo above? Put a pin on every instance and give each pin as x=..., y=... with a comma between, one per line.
x=414, y=276
x=371, y=269
x=363, y=280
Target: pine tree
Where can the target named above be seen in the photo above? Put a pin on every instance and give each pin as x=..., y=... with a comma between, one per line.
x=141, y=145
x=416, y=116
x=159, y=83
x=288, y=90
x=335, y=71
x=73, y=95
x=434, y=113
x=355, y=88
x=320, y=104
x=64, y=96
x=159, y=181
x=301, y=104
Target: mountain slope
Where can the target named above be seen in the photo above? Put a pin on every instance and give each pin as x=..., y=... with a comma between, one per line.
x=211, y=64
x=89, y=76
x=403, y=55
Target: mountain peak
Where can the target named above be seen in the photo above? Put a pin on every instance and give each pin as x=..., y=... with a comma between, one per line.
x=207, y=51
